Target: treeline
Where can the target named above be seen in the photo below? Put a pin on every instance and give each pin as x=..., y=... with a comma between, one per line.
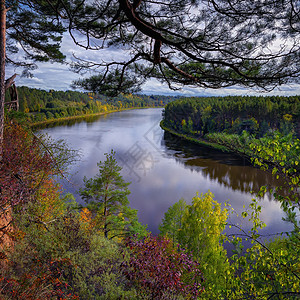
x=41, y=105
x=233, y=115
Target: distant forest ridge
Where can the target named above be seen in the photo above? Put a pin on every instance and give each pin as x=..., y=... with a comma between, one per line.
x=234, y=115
x=41, y=105
x=193, y=114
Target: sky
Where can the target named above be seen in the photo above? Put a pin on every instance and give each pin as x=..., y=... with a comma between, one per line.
x=59, y=76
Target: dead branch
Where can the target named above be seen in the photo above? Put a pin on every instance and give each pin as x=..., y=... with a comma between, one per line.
x=10, y=81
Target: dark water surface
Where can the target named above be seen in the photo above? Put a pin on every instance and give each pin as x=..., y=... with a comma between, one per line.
x=162, y=168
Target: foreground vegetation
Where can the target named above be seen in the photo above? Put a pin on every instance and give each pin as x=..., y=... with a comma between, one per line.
x=53, y=248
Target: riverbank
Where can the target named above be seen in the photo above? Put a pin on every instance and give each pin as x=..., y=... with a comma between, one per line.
x=78, y=117
x=258, y=151
x=198, y=141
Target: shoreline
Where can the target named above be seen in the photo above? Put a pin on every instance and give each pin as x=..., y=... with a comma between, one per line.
x=84, y=116
x=198, y=141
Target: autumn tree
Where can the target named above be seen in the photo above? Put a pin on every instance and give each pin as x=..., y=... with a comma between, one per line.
x=2, y=69
x=106, y=196
x=29, y=163
x=198, y=228
x=54, y=257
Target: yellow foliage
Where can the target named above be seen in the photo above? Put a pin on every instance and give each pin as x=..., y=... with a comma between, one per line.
x=49, y=202
x=288, y=117
x=86, y=220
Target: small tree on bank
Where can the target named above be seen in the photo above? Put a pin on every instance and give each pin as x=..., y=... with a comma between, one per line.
x=106, y=196
x=198, y=228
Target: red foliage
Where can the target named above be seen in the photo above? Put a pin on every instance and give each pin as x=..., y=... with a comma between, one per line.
x=23, y=168
x=25, y=175
x=43, y=282
x=161, y=270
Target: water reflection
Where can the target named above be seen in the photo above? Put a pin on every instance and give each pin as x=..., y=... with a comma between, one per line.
x=228, y=169
x=69, y=122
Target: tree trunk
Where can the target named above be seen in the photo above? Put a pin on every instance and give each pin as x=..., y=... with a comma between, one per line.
x=2, y=70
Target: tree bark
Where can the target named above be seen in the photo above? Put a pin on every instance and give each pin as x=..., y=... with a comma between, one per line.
x=2, y=70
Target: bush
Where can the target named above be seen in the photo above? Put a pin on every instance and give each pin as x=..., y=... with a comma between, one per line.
x=162, y=271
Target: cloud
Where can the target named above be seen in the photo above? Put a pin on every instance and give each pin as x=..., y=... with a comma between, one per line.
x=155, y=87
x=59, y=76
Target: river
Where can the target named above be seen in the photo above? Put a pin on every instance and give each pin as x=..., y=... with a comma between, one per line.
x=162, y=168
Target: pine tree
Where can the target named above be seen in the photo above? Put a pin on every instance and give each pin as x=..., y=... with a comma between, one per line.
x=106, y=196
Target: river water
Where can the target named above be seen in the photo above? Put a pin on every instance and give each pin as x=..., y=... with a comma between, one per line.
x=162, y=168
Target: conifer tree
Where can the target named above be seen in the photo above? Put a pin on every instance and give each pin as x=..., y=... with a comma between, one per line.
x=203, y=43
x=106, y=196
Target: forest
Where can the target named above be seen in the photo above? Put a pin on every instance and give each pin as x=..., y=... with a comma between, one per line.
x=41, y=105
x=256, y=115
x=234, y=123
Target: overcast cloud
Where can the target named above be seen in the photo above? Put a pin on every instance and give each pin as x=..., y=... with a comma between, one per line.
x=59, y=76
